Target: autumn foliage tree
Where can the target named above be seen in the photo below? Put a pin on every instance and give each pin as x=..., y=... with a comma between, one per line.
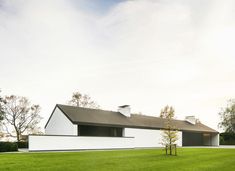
x=169, y=133
x=19, y=115
x=83, y=100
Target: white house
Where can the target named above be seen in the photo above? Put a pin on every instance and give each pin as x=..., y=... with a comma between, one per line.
x=76, y=128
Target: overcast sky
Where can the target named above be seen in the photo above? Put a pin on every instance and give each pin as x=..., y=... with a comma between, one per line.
x=145, y=53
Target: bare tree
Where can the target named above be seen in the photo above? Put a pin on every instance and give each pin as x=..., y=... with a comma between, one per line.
x=169, y=135
x=83, y=100
x=20, y=115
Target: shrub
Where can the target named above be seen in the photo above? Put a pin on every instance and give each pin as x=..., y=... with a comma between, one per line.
x=227, y=138
x=22, y=144
x=8, y=146
x=221, y=140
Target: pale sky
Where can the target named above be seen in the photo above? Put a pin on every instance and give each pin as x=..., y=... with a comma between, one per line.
x=145, y=53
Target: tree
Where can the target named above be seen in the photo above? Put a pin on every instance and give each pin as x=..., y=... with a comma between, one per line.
x=83, y=100
x=169, y=135
x=20, y=115
x=227, y=116
x=1, y=110
x=1, y=117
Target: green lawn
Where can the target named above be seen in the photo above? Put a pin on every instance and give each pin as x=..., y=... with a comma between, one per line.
x=189, y=159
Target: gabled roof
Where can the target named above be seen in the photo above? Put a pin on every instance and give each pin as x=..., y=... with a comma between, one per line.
x=86, y=116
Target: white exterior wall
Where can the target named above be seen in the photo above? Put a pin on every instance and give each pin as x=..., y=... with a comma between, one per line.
x=148, y=137
x=59, y=124
x=215, y=140
x=42, y=143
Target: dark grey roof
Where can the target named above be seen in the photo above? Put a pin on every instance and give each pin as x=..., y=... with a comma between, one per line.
x=86, y=116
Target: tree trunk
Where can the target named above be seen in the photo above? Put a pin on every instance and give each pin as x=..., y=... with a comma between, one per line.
x=170, y=148
x=18, y=137
x=78, y=105
x=17, y=134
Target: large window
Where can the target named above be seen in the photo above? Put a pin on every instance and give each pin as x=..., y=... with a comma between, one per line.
x=196, y=139
x=86, y=130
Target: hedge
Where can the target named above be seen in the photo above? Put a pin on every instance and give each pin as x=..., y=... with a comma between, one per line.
x=8, y=146
x=22, y=144
x=227, y=138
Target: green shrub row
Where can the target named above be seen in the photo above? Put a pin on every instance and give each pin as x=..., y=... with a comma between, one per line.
x=22, y=144
x=227, y=138
x=8, y=146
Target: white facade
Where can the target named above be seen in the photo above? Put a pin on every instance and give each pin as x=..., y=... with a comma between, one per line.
x=134, y=138
x=215, y=140
x=61, y=134
x=59, y=124
x=43, y=143
x=148, y=137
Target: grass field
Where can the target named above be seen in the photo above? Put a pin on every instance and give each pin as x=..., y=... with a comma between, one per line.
x=189, y=159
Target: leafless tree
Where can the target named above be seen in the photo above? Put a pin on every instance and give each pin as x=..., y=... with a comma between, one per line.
x=83, y=100
x=19, y=115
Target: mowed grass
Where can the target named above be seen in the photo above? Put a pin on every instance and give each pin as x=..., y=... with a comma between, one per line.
x=188, y=159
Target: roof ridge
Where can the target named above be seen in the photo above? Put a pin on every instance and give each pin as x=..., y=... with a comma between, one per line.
x=156, y=117
x=87, y=108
